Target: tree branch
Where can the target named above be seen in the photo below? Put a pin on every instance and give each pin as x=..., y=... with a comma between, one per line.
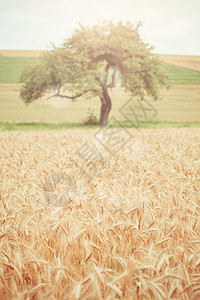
x=64, y=96
x=106, y=76
x=69, y=97
x=112, y=84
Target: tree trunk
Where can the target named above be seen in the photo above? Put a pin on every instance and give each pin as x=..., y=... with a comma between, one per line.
x=106, y=106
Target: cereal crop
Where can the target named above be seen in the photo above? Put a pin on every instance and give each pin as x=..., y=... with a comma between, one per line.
x=130, y=228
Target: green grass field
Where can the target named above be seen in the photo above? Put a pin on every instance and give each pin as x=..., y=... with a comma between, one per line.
x=12, y=67
x=180, y=75
x=180, y=105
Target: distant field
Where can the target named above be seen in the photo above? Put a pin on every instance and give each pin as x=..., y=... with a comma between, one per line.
x=13, y=62
x=180, y=75
x=12, y=67
x=21, y=53
x=179, y=104
x=185, y=61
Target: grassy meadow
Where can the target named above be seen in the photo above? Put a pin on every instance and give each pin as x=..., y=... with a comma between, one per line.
x=12, y=67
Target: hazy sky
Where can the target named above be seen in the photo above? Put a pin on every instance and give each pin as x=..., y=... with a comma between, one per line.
x=172, y=26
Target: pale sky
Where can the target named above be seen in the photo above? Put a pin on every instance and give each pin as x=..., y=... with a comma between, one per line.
x=172, y=26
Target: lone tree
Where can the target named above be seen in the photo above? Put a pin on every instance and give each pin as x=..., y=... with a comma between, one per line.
x=87, y=63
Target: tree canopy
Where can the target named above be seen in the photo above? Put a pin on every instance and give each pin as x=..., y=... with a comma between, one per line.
x=87, y=63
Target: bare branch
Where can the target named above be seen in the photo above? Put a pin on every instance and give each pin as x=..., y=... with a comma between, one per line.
x=112, y=84
x=70, y=97
x=106, y=75
x=64, y=96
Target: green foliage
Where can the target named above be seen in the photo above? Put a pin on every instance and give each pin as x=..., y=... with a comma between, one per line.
x=121, y=46
x=81, y=65
x=12, y=67
x=35, y=83
x=58, y=69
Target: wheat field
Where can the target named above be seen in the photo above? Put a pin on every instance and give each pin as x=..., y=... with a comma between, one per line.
x=130, y=224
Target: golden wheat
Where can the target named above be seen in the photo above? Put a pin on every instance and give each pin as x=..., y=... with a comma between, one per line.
x=131, y=231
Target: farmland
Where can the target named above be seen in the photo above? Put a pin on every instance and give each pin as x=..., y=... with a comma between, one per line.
x=130, y=227
x=130, y=231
